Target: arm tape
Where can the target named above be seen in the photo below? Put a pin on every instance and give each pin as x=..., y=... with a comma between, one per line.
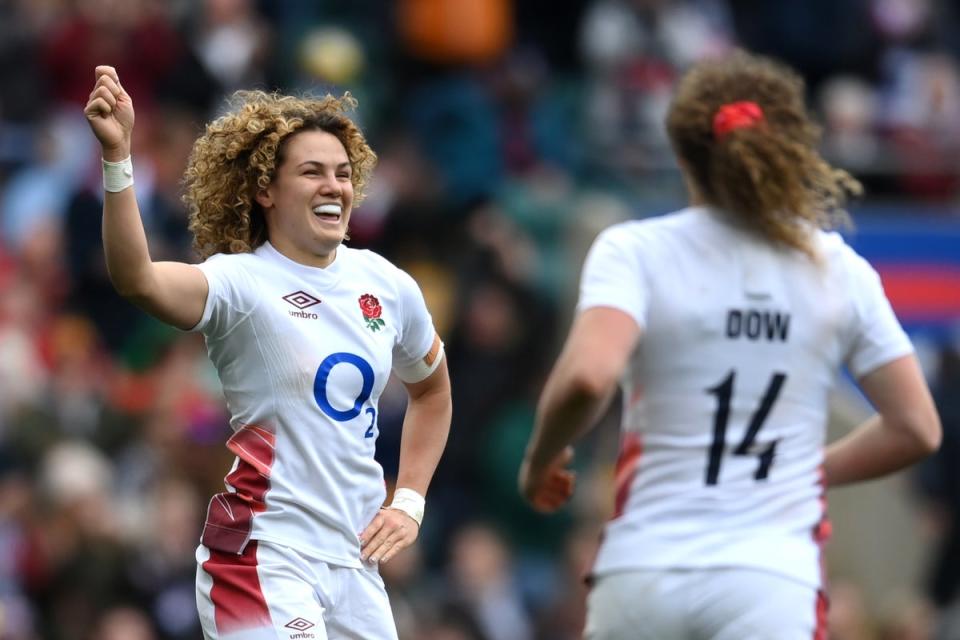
x=419, y=370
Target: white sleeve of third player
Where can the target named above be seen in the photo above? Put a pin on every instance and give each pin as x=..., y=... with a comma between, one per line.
x=876, y=336
x=613, y=274
x=230, y=295
x=416, y=332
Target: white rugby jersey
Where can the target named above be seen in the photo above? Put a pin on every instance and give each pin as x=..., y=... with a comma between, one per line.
x=303, y=355
x=725, y=396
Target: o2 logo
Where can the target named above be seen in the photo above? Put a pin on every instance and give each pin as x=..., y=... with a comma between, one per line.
x=320, y=389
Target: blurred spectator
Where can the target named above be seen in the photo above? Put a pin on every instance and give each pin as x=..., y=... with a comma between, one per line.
x=496, y=353
x=636, y=49
x=907, y=616
x=563, y=616
x=75, y=554
x=940, y=482
x=136, y=36
x=923, y=119
x=849, y=107
x=818, y=37
x=481, y=575
x=455, y=32
x=848, y=618
x=123, y=623
x=232, y=43
x=22, y=24
x=452, y=623
x=22, y=370
x=36, y=195
x=163, y=568
x=16, y=502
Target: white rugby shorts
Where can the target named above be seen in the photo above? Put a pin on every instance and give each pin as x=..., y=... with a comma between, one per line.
x=271, y=592
x=712, y=604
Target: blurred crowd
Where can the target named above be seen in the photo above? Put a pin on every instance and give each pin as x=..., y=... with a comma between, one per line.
x=509, y=132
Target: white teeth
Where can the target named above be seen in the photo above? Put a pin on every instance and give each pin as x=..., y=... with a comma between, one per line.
x=328, y=208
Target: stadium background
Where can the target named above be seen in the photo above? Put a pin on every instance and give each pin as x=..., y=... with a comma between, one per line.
x=509, y=133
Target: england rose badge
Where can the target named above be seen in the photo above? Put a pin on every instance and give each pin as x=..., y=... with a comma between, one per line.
x=371, y=309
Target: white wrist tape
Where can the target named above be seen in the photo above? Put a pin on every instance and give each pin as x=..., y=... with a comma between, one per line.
x=410, y=502
x=117, y=176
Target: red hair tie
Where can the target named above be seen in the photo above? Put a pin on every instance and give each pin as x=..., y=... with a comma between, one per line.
x=735, y=115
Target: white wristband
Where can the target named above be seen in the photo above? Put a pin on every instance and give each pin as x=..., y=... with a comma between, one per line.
x=410, y=502
x=117, y=176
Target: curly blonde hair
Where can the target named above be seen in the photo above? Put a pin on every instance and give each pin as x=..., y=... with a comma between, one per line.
x=769, y=175
x=238, y=155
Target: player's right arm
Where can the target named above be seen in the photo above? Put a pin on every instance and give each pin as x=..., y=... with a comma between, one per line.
x=577, y=391
x=173, y=292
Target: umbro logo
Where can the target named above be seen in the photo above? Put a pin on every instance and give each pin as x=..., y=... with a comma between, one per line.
x=301, y=300
x=301, y=625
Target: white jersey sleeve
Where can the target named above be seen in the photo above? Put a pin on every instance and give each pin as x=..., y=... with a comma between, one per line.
x=229, y=296
x=875, y=337
x=613, y=259
x=416, y=330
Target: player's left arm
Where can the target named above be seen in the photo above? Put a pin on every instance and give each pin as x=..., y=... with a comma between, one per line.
x=426, y=426
x=905, y=430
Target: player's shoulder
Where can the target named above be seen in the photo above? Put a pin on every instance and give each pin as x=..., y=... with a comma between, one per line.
x=830, y=242
x=373, y=264
x=835, y=252
x=654, y=228
x=224, y=264
x=221, y=258
x=366, y=259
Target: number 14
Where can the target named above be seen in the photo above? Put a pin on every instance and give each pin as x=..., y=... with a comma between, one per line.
x=724, y=393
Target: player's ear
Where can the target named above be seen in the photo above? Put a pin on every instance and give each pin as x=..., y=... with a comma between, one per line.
x=264, y=198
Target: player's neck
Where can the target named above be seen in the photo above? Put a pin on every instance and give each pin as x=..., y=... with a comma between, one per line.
x=300, y=256
x=694, y=195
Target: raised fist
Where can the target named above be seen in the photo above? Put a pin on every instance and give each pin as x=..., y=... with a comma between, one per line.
x=110, y=114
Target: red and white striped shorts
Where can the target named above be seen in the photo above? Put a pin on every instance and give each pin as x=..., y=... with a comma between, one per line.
x=271, y=592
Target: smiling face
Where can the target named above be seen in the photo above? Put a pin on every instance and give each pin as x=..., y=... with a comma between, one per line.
x=307, y=205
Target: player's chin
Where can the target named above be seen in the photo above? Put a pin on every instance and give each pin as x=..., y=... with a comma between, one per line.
x=329, y=235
